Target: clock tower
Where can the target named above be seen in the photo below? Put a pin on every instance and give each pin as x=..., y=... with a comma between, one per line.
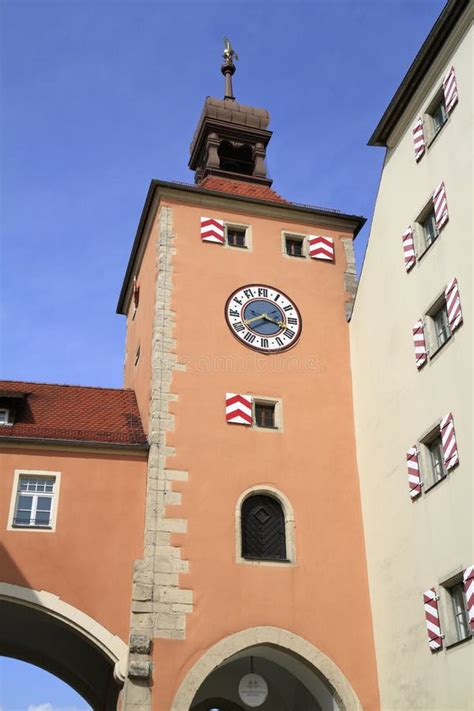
x=252, y=588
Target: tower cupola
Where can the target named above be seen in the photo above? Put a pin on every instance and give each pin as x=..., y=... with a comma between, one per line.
x=231, y=139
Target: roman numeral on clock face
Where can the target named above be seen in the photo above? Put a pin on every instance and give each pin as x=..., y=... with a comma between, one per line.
x=288, y=308
x=239, y=326
x=233, y=312
x=289, y=334
x=292, y=321
x=249, y=337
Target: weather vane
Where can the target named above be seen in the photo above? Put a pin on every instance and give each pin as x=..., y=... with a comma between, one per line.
x=228, y=68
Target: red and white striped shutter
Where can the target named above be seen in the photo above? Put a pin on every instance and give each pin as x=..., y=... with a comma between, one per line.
x=414, y=480
x=321, y=247
x=453, y=304
x=448, y=440
x=409, y=249
x=430, y=599
x=212, y=230
x=468, y=579
x=421, y=353
x=419, y=139
x=440, y=205
x=238, y=409
x=450, y=90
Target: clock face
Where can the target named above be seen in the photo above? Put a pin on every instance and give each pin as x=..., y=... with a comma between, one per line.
x=263, y=318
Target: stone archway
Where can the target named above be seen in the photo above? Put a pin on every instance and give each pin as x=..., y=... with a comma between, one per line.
x=295, y=656
x=38, y=627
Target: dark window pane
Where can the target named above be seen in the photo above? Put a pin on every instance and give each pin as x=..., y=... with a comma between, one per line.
x=264, y=415
x=263, y=529
x=44, y=503
x=24, y=503
x=42, y=518
x=235, y=237
x=294, y=247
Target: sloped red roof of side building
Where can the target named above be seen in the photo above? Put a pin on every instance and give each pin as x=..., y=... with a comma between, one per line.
x=41, y=411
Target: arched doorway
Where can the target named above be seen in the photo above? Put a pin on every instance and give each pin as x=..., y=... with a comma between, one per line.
x=37, y=627
x=298, y=676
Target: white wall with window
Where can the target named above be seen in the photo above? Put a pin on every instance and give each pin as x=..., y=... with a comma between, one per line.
x=34, y=501
x=413, y=544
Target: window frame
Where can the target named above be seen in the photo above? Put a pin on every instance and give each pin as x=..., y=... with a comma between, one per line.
x=295, y=236
x=231, y=225
x=277, y=413
x=289, y=517
x=428, y=475
x=421, y=244
x=450, y=624
x=434, y=343
x=429, y=116
x=38, y=474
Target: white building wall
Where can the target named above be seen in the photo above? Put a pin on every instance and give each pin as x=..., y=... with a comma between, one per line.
x=413, y=546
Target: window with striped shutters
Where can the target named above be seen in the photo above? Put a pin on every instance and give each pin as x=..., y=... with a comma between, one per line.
x=468, y=580
x=263, y=528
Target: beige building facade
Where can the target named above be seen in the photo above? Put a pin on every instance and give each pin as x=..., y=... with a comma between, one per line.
x=411, y=354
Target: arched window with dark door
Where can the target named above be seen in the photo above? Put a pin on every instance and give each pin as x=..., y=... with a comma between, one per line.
x=263, y=528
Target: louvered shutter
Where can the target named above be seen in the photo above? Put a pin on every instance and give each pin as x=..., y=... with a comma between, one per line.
x=440, y=206
x=453, y=304
x=212, y=230
x=408, y=248
x=321, y=247
x=450, y=90
x=414, y=480
x=430, y=600
x=421, y=353
x=448, y=440
x=468, y=579
x=238, y=409
x=419, y=139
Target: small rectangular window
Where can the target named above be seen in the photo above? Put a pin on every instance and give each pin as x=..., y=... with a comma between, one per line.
x=294, y=246
x=34, y=501
x=265, y=414
x=457, y=622
x=441, y=325
x=430, y=231
x=137, y=356
x=437, y=114
x=236, y=237
x=459, y=610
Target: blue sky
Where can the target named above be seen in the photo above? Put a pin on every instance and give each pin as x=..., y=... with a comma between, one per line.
x=99, y=97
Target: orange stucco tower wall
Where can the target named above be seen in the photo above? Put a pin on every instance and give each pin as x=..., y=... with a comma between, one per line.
x=193, y=588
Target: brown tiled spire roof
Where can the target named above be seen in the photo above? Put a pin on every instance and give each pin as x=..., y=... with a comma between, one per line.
x=71, y=413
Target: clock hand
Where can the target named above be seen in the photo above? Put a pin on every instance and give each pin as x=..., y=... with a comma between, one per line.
x=255, y=318
x=273, y=320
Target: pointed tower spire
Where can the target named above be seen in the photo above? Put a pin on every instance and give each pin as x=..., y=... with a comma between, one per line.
x=228, y=68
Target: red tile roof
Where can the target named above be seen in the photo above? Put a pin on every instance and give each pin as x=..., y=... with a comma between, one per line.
x=237, y=187
x=72, y=412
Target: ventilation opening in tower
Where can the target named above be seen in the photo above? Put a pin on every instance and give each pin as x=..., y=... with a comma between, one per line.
x=236, y=160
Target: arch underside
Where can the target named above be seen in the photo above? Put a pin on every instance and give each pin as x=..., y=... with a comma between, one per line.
x=299, y=676
x=33, y=636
